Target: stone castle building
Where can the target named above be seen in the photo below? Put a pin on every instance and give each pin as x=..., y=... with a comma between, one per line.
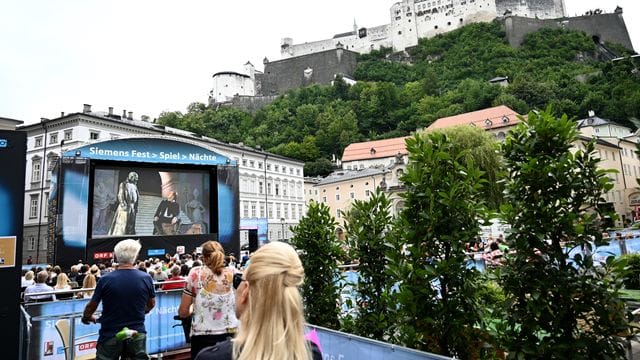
x=411, y=20
x=320, y=62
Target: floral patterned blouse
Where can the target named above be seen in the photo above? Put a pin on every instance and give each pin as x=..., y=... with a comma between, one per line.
x=213, y=301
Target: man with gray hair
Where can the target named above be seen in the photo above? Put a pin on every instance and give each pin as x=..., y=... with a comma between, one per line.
x=39, y=287
x=127, y=294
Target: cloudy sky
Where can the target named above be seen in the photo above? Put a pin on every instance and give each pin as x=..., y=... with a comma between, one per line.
x=149, y=56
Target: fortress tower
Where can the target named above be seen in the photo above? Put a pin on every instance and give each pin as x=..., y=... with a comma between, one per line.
x=536, y=9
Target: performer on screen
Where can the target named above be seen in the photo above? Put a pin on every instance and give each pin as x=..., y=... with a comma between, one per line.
x=124, y=221
x=165, y=220
x=195, y=213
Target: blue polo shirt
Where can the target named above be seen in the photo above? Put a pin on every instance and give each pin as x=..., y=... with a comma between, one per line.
x=124, y=295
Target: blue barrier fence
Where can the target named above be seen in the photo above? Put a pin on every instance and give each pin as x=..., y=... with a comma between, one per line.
x=341, y=346
x=56, y=333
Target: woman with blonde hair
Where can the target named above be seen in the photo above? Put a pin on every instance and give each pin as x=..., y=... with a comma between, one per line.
x=62, y=282
x=270, y=308
x=89, y=282
x=62, y=287
x=209, y=300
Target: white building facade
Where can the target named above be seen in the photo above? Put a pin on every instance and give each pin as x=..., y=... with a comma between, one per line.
x=411, y=20
x=50, y=138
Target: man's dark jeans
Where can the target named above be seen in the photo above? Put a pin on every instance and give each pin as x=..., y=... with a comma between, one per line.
x=133, y=348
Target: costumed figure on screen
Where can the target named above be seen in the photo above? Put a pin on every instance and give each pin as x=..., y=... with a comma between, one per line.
x=124, y=220
x=195, y=213
x=165, y=220
x=103, y=204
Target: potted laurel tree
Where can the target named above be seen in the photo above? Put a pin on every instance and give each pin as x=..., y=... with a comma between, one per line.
x=315, y=237
x=560, y=306
x=367, y=226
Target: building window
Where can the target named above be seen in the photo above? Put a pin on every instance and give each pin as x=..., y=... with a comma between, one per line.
x=367, y=193
x=286, y=211
x=46, y=204
x=260, y=190
x=261, y=210
x=284, y=190
x=53, y=138
x=244, y=162
x=268, y=166
x=252, y=163
x=245, y=210
x=284, y=169
x=278, y=191
x=31, y=243
x=338, y=197
x=278, y=211
x=297, y=171
x=276, y=167
x=33, y=207
x=68, y=135
x=352, y=195
x=299, y=211
x=270, y=208
x=38, y=141
x=259, y=164
x=36, y=169
x=94, y=135
x=338, y=213
x=324, y=199
x=253, y=209
x=269, y=188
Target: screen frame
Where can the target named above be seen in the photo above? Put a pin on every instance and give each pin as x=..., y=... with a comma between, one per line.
x=191, y=241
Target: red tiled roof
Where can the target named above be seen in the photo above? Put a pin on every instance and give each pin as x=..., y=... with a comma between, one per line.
x=491, y=118
x=375, y=149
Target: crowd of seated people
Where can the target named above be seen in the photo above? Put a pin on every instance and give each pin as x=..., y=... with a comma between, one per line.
x=79, y=281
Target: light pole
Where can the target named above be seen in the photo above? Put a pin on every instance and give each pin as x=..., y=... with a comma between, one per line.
x=282, y=221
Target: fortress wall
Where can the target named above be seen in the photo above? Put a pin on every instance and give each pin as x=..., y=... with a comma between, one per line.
x=608, y=27
x=249, y=104
x=282, y=75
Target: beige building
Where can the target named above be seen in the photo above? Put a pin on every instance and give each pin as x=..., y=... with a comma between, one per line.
x=378, y=153
x=341, y=188
x=496, y=120
x=616, y=147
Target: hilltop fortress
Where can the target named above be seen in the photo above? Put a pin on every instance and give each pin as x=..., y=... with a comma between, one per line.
x=319, y=62
x=411, y=20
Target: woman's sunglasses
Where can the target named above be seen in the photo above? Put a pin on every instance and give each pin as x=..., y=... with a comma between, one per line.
x=237, y=280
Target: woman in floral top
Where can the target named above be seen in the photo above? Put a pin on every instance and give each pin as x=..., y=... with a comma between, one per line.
x=209, y=299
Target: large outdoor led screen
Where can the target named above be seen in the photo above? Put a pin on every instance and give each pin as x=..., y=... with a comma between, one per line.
x=139, y=201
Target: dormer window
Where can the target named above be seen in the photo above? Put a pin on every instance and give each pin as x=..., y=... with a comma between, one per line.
x=372, y=151
x=505, y=119
x=488, y=123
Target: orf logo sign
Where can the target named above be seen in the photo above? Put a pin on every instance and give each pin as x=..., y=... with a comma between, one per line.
x=3, y=143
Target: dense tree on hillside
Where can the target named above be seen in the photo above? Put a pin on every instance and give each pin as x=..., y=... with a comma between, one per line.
x=448, y=75
x=483, y=149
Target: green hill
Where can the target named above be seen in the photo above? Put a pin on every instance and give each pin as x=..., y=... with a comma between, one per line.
x=448, y=75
